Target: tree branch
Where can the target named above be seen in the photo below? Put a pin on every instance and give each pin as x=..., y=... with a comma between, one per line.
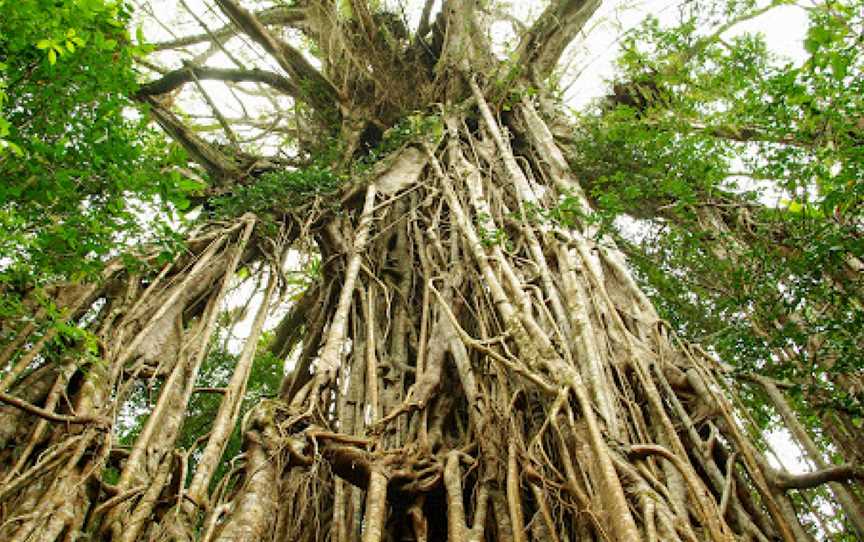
x=47, y=414
x=551, y=33
x=839, y=473
x=214, y=161
x=315, y=88
x=180, y=77
x=279, y=15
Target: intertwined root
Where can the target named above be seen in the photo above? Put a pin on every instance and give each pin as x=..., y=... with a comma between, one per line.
x=484, y=376
x=475, y=362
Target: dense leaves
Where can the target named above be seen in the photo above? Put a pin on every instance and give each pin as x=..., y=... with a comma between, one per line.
x=82, y=172
x=278, y=190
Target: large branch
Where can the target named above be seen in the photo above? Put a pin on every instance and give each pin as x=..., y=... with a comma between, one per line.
x=551, y=33
x=839, y=473
x=177, y=78
x=279, y=15
x=316, y=90
x=214, y=161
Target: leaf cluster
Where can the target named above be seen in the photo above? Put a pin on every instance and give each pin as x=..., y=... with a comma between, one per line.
x=82, y=171
x=279, y=192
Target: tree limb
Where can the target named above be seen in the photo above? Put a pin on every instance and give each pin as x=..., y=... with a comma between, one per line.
x=279, y=15
x=177, y=78
x=316, y=89
x=551, y=33
x=840, y=473
x=214, y=161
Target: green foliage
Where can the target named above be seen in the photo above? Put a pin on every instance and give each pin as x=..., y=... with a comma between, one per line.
x=506, y=90
x=40, y=32
x=110, y=475
x=411, y=128
x=81, y=170
x=278, y=192
x=489, y=237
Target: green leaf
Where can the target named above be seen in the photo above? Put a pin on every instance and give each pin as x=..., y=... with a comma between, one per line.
x=821, y=35
x=190, y=185
x=839, y=65
x=15, y=149
x=52, y=56
x=43, y=44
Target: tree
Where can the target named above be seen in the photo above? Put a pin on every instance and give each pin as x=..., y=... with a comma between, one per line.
x=471, y=356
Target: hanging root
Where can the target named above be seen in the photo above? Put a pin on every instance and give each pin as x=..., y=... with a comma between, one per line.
x=508, y=376
x=469, y=365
